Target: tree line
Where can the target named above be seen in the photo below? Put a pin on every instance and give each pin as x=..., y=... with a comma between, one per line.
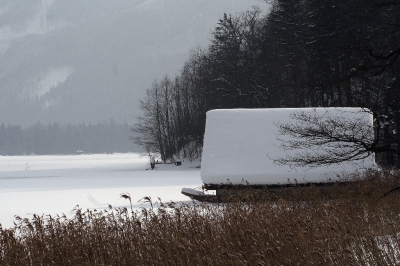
x=55, y=138
x=311, y=53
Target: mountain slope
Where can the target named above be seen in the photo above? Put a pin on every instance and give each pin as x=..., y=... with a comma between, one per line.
x=80, y=61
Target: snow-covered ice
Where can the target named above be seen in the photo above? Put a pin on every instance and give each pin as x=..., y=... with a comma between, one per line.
x=254, y=132
x=56, y=184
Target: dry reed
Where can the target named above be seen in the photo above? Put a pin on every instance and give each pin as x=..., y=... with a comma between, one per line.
x=343, y=225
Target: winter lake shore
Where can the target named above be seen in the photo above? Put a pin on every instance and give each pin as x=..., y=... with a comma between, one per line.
x=57, y=184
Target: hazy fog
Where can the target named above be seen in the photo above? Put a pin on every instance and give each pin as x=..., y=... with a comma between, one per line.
x=91, y=60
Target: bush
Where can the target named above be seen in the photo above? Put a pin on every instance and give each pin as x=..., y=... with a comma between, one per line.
x=342, y=225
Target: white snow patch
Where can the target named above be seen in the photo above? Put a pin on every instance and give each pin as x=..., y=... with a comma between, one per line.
x=51, y=80
x=41, y=23
x=240, y=146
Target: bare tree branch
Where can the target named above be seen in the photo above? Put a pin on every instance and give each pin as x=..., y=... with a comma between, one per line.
x=316, y=138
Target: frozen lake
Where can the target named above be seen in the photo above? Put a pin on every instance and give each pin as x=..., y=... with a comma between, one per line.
x=56, y=184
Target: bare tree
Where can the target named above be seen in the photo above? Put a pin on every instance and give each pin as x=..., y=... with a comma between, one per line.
x=323, y=138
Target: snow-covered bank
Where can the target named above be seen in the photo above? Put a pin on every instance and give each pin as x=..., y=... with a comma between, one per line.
x=56, y=184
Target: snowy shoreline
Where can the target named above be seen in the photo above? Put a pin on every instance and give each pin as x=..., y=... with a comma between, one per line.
x=56, y=184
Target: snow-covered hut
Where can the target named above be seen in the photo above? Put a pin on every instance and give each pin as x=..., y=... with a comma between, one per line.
x=241, y=147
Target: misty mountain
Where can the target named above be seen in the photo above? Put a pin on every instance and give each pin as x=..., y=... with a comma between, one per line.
x=77, y=61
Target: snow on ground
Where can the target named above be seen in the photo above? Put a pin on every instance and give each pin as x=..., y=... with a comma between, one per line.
x=56, y=184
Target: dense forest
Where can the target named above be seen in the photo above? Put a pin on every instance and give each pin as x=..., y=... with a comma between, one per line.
x=310, y=53
x=65, y=139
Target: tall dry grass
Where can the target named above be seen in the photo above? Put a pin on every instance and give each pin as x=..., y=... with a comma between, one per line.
x=342, y=225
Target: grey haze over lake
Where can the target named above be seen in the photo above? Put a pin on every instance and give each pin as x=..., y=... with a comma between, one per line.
x=90, y=60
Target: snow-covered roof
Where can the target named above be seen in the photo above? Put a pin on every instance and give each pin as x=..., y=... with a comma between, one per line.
x=240, y=146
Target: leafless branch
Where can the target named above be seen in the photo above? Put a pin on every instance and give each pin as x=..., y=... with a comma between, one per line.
x=316, y=139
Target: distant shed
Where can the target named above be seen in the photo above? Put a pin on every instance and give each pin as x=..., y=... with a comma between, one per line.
x=240, y=146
